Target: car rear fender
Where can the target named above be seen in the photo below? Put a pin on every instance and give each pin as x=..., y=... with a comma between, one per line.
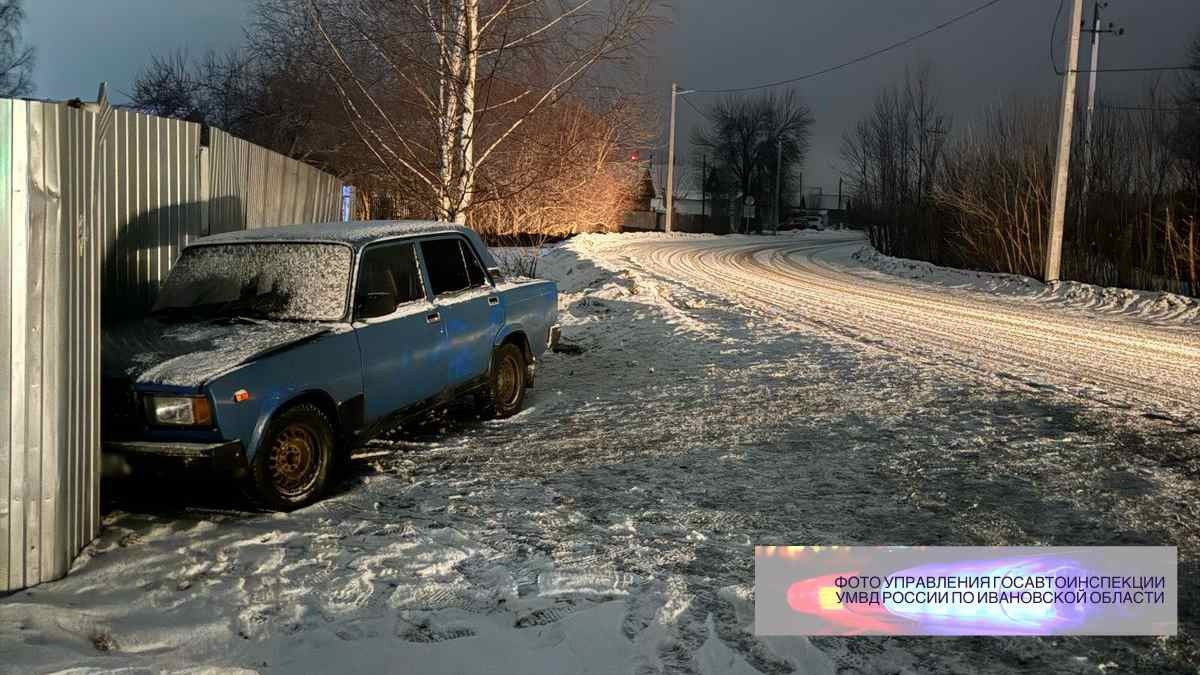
x=513, y=332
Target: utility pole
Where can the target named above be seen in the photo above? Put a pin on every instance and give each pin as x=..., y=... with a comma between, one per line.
x=676, y=92
x=1091, y=104
x=1058, y=208
x=703, y=186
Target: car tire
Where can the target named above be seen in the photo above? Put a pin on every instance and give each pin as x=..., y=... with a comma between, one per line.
x=507, y=381
x=294, y=459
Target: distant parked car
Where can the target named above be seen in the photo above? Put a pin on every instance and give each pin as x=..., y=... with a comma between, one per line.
x=812, y=223
x=792, y=222
x=271, y=352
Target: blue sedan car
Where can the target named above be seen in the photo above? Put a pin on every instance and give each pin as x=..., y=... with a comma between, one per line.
x=272, y=352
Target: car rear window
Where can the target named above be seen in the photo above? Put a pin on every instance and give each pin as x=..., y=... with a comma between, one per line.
x=285, y=281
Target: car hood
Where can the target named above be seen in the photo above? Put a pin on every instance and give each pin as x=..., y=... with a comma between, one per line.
x=192, y=353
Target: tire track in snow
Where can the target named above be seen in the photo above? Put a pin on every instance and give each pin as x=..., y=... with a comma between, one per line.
x=1117, y=363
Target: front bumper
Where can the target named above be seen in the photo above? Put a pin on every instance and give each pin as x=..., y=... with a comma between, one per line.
x=227, y=457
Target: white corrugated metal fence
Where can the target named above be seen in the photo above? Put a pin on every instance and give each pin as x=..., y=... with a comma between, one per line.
x=49, y=341
x=95, y=205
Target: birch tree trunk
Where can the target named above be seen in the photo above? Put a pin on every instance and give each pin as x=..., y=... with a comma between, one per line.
x=466, y=137
x=452, y=93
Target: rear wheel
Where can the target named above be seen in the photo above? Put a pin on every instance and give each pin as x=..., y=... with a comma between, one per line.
x=293, y=462
x=508, y=381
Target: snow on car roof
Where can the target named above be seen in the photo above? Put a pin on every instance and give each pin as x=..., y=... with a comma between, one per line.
x=355, y=233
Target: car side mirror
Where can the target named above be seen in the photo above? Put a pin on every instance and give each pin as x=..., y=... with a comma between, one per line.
x=376, y=303
x=495, y=274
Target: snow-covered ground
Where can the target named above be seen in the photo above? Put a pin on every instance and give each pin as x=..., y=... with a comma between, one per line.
x=734, y=391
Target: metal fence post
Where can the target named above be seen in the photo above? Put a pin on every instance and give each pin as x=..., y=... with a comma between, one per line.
x=205, y=190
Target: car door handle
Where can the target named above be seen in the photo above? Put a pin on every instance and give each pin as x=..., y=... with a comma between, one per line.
x=493, y=300
x=433, y=317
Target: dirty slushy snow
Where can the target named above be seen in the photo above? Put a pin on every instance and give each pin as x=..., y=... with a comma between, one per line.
x=734, y=391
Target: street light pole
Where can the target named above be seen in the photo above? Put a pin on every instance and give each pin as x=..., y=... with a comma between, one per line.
x=676, y=92
x=670, y=186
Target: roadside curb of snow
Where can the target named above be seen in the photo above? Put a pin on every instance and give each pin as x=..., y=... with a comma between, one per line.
x=1153, y=306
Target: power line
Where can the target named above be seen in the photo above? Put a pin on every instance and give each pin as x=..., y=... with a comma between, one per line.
x=1142, y=69
x=1139, y=69
x=1053, y=31
x=693, y=107
x=860, y=59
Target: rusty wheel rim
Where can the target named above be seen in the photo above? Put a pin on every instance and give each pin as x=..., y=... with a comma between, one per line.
x=508, y=381
x=294, y=461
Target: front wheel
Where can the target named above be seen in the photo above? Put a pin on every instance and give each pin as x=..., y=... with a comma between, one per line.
x=507, y=381
x=292, y=465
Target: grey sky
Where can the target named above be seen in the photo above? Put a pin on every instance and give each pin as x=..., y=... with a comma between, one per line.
x=83, y=42
x=711, y=44
x=720, y=43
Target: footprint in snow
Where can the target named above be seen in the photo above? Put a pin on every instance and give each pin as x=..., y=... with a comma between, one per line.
x=412, y=632
x=544, y=616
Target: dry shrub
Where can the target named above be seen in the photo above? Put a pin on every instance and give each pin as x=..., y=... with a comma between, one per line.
x=995, y=188
x=576, y=179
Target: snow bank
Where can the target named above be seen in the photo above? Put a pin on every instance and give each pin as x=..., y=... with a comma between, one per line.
x=1149, y=306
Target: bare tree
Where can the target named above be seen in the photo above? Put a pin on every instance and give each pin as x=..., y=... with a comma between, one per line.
x=1186, y=138
x=438, y=90
x=892, y=160
x=981, y=199
x=16, y=58
x=552, y=167
x=224, y=90
x=592, y=196
x=264, y=97
x=743, y=138
x=995, y=193
x=168, y=87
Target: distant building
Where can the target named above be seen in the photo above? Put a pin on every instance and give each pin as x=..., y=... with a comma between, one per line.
x=690, y=199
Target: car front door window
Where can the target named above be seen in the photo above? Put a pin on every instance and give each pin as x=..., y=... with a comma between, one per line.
x=388, y=278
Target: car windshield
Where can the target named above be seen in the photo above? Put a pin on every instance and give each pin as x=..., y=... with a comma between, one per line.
x=297, y=282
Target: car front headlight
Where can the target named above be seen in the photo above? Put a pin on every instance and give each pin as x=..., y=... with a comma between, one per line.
x=192, y=411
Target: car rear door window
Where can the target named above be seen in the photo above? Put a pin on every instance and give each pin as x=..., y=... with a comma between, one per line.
x=452, y=265
x=388, y=277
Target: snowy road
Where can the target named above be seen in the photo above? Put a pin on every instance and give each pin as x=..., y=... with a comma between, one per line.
x=1119, y=362
x=734, y=391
